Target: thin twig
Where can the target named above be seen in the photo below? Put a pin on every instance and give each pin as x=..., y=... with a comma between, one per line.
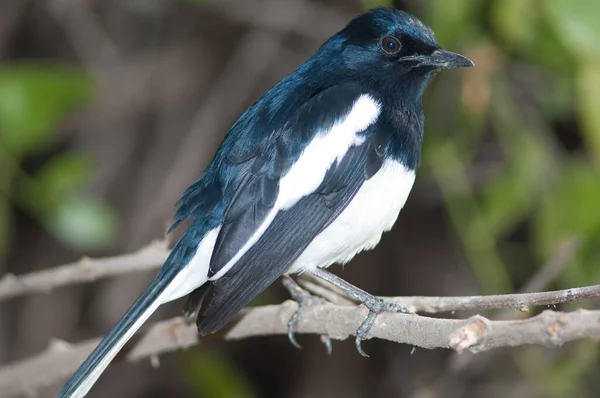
x=520, y=301
x=474, y=334
x=85, y=270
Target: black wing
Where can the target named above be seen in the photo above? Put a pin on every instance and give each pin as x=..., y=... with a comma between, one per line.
x=285, y=239
x=256, y=185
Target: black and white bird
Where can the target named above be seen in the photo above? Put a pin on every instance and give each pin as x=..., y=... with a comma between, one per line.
x=310, y=175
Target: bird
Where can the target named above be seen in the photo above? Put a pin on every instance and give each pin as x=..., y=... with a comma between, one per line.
x=312, y=173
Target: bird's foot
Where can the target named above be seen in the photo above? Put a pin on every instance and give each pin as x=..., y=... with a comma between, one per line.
x=376, y=305
x=304, y=299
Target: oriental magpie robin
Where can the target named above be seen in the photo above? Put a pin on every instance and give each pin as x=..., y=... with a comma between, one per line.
x=310, y=175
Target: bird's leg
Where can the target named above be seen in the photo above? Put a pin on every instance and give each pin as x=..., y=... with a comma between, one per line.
x=304, y=299
x=375, y=304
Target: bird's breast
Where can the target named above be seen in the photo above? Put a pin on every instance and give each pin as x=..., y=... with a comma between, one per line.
x=373, y=210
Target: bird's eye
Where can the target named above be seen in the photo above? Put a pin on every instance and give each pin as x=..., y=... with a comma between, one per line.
x=390, y=45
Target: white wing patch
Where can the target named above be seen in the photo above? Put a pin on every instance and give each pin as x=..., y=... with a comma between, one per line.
x=305, y=176
x=330, y=146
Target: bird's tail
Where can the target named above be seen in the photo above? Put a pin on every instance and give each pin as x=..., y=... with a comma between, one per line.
x=155, y=294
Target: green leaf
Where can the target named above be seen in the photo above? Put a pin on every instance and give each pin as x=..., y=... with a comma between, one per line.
x=59, y=179
x=34, y=99
x=214, y=376
x=576, y=22
x=83, y=224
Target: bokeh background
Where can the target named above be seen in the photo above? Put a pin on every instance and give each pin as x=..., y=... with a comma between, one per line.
x=109, y=109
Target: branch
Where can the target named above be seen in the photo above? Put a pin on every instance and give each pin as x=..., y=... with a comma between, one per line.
x=474, y=334
x=153, y=256
x=520, y=301
x=339, y=321
x=432, y=305
x=84, y=270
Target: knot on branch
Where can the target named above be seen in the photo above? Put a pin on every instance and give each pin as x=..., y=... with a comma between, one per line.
x=470, y=336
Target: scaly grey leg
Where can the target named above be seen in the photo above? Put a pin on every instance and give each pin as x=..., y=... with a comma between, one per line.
x=375, y=304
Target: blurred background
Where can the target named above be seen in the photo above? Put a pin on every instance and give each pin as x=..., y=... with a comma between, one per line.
x=110, y=109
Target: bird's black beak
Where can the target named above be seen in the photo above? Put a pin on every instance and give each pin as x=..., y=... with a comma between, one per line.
x=446, y=59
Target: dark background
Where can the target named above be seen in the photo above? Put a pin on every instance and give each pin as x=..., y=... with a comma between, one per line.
x=110, y=109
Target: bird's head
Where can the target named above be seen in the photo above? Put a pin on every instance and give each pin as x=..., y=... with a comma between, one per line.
x=392, y=49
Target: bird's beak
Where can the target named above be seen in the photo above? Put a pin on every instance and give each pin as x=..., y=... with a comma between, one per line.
x=447, y=59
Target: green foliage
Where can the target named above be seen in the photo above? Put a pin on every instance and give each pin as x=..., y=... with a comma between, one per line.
x=35, y=98
x=84, y=224
x=576, y=23
x=57, y=180
x=537, y=73
x=515, y=21
x=537, y=184
x=467, y=218
x=33, y=101
x=570, y=208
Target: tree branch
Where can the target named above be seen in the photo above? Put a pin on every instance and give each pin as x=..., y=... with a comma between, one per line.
x=520, y=301
x=154, y=255
x=85, y=270
x=474, y=334
x=338, y=320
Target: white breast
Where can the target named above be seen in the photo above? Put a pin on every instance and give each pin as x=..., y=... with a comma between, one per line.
x=373, y=211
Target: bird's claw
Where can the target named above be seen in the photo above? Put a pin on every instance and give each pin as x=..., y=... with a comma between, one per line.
x=376, y=306
x=363, y=331
x=292, y=326
x=304, y=299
